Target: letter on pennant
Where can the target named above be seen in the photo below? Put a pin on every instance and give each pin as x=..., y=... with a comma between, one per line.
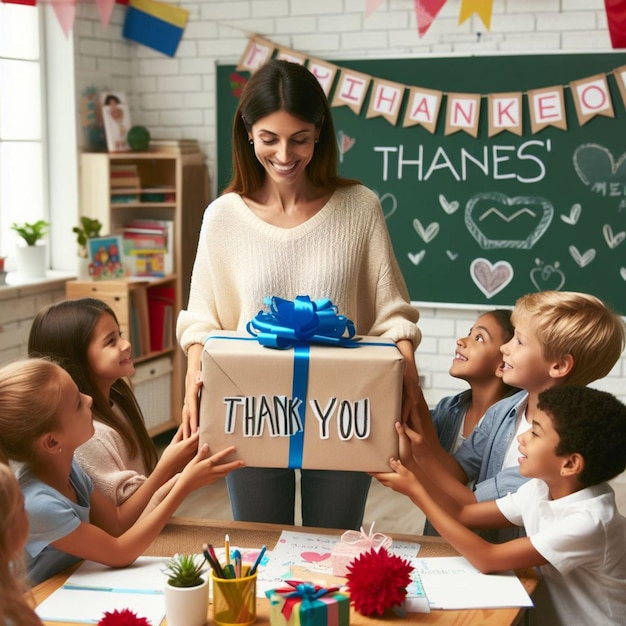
x=422, y=108
x=385, y=100
x=257, y=52
x=591, y=98
x=547, y=108
x=505, y=113
x=463, y=113
x=351, y=90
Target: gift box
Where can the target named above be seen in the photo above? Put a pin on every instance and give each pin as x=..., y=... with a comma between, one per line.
x=304, y=604
x=310, y=406
x=352, y=544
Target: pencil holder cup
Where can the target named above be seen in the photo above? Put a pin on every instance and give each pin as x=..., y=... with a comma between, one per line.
x=234, y=600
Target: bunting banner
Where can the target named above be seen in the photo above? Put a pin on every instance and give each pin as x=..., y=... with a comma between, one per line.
x=461, y=112
x=482, y=8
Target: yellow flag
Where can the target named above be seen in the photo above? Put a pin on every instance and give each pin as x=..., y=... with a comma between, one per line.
x=483, y=8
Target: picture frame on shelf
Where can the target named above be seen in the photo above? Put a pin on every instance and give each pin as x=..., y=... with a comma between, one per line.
x=106, y=258
x=116, y=117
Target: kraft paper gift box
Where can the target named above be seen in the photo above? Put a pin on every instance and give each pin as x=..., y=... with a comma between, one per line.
x=252, y=397
x=305, y=604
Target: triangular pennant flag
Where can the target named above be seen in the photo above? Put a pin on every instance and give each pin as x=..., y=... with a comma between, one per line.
x=425, y=12
x=257, y=52
x=423, y=108
x=65, y=11
x=324, y=72
x=505, y=113
x=351, y=90
x=616, y=19
x=463, y=113
x=285, y=54
x=105, y=10
x=386, y=100
x=371, y=6
x=547, y=108
x=483, y=8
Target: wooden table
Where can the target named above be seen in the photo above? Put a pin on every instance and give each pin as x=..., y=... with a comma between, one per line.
x=188, y=535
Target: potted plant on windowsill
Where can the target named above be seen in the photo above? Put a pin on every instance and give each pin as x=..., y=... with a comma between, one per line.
x=31, y=258
x=186, y=591
x=88, y=229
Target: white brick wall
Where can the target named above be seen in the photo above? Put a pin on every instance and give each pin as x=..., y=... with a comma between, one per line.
x=176, y=97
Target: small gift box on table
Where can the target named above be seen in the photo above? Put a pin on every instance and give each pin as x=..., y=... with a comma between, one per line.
x=305, y=604
x=320, y=399
x=354, y=543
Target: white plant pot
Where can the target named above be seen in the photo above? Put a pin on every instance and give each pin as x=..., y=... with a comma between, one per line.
x=187, y=606
x=31, y=261
x=82, y=268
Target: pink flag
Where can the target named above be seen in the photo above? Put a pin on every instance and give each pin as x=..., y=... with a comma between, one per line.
x=371, y=6
x=426, y=11
x=65, y=10
x=105, y=10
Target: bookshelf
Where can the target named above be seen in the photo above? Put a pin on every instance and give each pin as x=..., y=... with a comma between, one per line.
x=169, y=186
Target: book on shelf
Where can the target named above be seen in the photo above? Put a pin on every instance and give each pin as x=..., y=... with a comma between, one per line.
x=148, y=247
x=161, y=303
x=175, y=145
x=139, y=322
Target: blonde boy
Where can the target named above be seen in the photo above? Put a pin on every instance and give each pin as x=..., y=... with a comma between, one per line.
x=560, y=338
x=576, y=443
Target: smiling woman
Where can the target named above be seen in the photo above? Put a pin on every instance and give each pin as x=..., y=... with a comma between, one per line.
x=296, y=228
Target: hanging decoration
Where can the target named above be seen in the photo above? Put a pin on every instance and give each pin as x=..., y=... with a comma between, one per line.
x=482, y=8
x=616, y=19
x=424, y=106
x=157, y=25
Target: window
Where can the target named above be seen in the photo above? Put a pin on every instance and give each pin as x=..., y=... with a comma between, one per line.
x=23, y=183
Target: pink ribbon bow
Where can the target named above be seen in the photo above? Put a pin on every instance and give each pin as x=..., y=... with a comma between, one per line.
x=371, y=540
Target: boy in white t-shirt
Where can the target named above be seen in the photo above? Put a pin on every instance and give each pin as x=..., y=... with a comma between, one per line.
x=575, y=535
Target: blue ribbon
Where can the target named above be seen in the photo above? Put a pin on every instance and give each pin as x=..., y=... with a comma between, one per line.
x=303, y=320
x=296, y=325
x=307, y=593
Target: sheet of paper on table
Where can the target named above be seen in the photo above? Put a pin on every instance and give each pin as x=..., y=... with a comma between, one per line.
x=454, y=583
x=94, y=588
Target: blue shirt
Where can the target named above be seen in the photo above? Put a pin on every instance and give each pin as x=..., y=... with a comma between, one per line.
x=52, y=516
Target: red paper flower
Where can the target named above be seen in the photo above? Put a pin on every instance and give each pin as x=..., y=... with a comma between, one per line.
x=125, y=617
x=377, y=581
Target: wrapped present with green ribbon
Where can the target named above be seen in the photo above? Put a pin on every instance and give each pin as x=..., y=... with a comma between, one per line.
x=301, y=390
x=305, y=604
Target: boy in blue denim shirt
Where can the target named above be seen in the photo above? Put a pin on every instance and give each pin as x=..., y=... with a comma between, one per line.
x=560, y=338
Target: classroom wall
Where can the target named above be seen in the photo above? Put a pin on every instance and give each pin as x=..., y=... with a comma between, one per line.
x=176, y=97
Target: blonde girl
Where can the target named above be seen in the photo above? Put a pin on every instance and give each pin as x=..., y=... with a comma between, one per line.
x=84, y=337
x=14, y=609
x=44, y=417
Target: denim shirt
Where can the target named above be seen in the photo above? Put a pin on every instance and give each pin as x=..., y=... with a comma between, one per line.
x=448, y=416
x=482, y=454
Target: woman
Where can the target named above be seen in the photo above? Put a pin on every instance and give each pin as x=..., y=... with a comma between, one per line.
x=288, y=225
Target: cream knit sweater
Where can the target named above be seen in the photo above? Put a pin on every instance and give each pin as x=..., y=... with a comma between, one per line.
x=343, y=253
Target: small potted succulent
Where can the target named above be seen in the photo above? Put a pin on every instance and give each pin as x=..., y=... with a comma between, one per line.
x=89, y=228
x=186, y=591
x=31, y=258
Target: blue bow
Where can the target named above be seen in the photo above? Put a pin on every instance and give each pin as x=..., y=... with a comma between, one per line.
x=306, y=593
x=301, y=321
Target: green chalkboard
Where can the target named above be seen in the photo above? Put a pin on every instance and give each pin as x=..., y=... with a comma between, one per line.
x=484, y=220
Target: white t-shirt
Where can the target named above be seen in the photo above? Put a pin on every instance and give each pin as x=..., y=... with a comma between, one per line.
x=583, y=538
x=511, y=458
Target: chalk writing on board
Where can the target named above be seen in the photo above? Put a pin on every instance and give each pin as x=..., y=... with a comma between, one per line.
x=547, y=277
x=574, y=214
x=427, y=234
x=600, y=171
x=612, y=239
x=448, y=207
x=496, y=220
x=344, y=143
x=491, y=278
x=582, y=258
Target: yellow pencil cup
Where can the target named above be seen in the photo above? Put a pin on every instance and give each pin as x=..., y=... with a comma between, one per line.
x=234, y=600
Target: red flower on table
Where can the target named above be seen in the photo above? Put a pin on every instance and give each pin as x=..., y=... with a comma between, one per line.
x=377, y=581
x=125, y=617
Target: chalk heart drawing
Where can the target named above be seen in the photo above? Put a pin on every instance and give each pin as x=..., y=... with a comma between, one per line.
x=491, y=279
x=596, y=164
x=415, y=258
x=622, y=272
x=612, y=239
x=388, y=202
x=573, y=216
x=547, y=278
x=582, y=259
x=344, y=143
x=452, y=255
x=497, y=221
x=315, y=557
x=448, y=207
x=428, y=233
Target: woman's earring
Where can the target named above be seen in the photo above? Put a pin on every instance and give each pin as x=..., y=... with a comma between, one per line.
x=317, y=140
x=251, y=141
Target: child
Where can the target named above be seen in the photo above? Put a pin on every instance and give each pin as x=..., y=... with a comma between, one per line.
x=560, y=337
x=575, y=534
x=83, y=336
x=43, y=419
x=13, y=534
x=478, y=361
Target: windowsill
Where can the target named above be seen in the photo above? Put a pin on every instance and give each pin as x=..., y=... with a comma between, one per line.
x=17, y=286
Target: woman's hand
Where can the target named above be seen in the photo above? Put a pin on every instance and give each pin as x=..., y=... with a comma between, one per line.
x=193, y=384
x=411, y=381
